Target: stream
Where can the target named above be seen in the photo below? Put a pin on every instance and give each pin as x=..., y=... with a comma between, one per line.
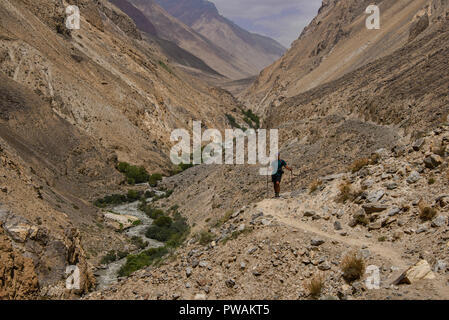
x=108, y=275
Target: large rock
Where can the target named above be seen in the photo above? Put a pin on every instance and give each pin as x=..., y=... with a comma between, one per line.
x=120, y=221
x=374, y=207
x=420, y=271
x=316, y=242
x=375, y=196
x=418, y=144
x=413, y=177
x=433, y=161
x=439, y=222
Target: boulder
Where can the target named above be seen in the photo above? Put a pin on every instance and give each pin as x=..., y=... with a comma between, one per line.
x=375, y=196
x=374, y=207
x=433, y=161
x=316, y=242
x=417, y=145
x=120, y=221
x=420, y=271
x=337, y=226
x=309, y=213
x=413, y=177
x=439, y=222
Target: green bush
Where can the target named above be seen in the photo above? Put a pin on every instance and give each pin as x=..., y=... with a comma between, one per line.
x=133, y=195
x=232, y=122
x=134, y=174
x=117, y=199
x=152, y=213
x=163, y=222
x=165, y=229
x=154, y=179
x=205, y=238
x=158, y=233
x=251, y=119
x=141, y=260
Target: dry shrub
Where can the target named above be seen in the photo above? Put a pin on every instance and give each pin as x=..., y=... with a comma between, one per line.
x=359, y=164
x=375, y=158
x=315, y=185
x=353, y=267
x=315, y=285
x=346, y=193
x=426, y=212
x=361, y=219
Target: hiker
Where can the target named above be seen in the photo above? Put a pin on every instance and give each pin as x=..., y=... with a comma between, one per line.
x=277, y=177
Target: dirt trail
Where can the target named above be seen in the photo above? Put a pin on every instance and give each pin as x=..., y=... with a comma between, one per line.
x=286, y=213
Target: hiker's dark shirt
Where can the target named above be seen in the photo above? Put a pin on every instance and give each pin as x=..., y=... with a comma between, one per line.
x=281, y=165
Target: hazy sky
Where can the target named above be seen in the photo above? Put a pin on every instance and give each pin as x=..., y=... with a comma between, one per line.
x=283, y=20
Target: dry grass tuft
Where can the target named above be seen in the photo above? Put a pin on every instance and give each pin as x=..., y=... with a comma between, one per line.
x=359, y=164
x=315, y=285
x=353, y=267
x=426, y=212
x=315, y=185
x=346, y=193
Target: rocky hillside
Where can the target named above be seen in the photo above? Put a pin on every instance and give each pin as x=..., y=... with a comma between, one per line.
x=389, y=212
x=73, y=103
x=337, y=42
x=369, y=150
x=216, y=54
x=202, y=16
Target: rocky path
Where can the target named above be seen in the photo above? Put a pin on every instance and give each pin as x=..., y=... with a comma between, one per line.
x=278, y=208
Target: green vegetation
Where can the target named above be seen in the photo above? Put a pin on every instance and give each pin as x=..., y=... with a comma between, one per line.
x=137, y=223
x=167, y=194
x=205, y=237
x=139, y=243
x=232, y=122
x=251, y=119
x=167, y=68
x=117, y=199
x=172, y=230
x=154, y=179
x=113, y=256
x=134, y=174
x=224, y=219
x=142, y=260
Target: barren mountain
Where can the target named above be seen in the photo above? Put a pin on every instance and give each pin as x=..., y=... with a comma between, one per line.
x=202, y=16
x=229, y=63
x=337, y=42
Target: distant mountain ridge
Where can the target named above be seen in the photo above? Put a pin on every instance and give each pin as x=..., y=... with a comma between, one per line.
x=255, y=50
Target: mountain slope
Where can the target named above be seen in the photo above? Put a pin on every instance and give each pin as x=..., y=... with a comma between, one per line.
x=72, y=104
x=175, y=53
x=203, y=17
x=170, y=28
x=336, y=42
